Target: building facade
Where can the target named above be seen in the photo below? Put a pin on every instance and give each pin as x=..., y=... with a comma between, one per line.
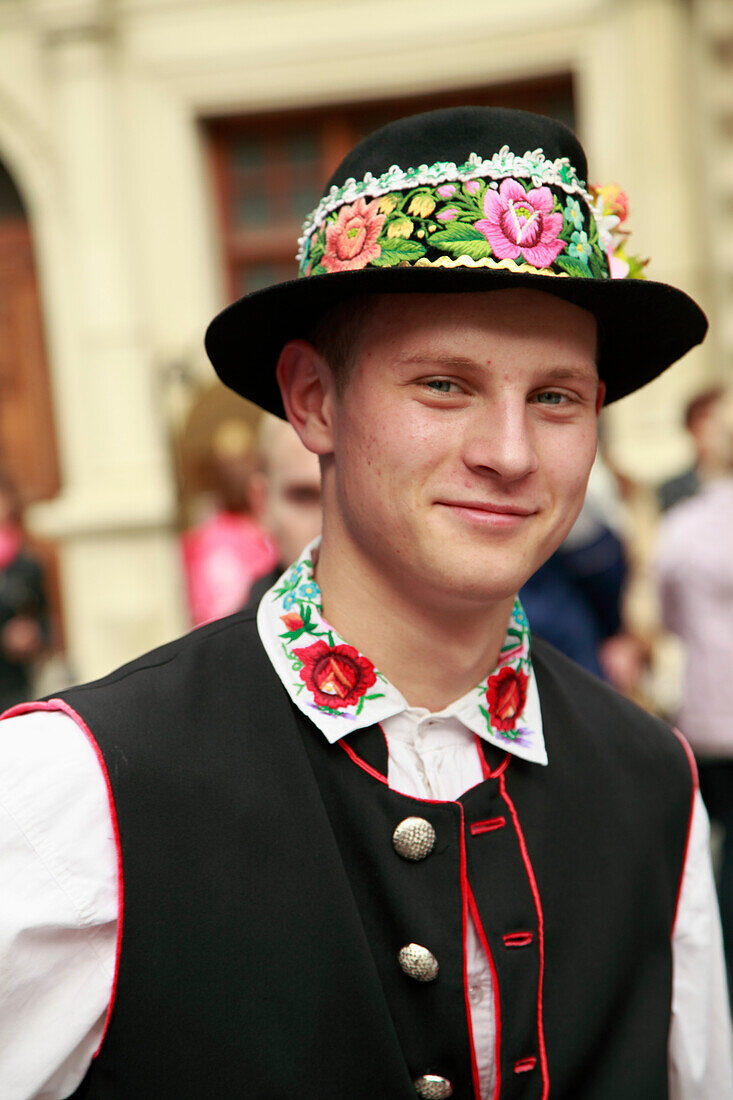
x=145, y=140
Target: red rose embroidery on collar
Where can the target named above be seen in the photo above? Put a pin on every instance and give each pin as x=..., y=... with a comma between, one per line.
x=506, y=694
x=336, y=675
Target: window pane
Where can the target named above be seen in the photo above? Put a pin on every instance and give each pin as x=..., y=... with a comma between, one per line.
x=248, y=153
x=256, y=276
x=304, y=199
x=253, y=208
x=302, y=147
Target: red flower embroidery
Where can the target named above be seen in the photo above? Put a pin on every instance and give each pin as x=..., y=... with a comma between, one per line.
x=336, y=675
x=506, y=694
x=292, y=620
x=351, y=242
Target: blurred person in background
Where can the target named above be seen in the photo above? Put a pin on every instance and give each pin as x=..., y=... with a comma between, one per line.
x=574, y=599
x=225, y=553
x=700, y=423
x=24, y=627
x=695, y=571
x=285, y=495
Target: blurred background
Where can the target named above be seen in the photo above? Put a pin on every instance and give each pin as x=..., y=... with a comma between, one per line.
x=156, y=160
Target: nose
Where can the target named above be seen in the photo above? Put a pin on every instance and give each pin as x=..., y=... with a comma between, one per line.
x=499, y=441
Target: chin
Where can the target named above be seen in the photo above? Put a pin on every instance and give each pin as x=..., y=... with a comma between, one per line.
x=480, y=587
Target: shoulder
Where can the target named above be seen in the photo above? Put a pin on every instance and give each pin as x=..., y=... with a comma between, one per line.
x=207, y=652
x=54, y=816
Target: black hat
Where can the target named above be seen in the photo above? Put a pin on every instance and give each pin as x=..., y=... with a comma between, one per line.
x=464, y=199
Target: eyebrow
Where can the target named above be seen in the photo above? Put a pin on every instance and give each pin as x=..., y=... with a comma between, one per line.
x=439, y=360
x=551, y=374
x=557, y=374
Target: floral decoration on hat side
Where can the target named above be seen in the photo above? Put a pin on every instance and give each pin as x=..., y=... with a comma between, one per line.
x=611, y=208
x=477, y=222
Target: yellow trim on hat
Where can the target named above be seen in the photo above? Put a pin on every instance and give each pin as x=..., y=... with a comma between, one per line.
x=488, y=261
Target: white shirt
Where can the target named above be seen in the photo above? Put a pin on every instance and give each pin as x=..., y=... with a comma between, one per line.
x=58, y=867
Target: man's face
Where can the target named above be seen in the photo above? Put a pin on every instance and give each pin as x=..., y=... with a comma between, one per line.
x=463, y=440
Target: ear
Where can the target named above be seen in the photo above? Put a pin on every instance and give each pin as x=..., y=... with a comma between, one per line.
x=600, y=396
x=307, y=388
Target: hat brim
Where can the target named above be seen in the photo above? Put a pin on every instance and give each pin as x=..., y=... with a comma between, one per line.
x=644, y=326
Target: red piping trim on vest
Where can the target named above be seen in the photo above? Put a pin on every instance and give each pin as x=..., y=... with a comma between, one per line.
x=695, y=786
x=350, y=751
x=465, y=890
x=488, y=826
x=485, y=769
x=540, y=934
x=518, y=939
x=524, y=1065
x=495, y=987
x=362, y=763
x=60, y=705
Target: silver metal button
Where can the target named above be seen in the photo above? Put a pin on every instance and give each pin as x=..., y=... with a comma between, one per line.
x=414, y=838
x=418, y=963
x=432, y=1087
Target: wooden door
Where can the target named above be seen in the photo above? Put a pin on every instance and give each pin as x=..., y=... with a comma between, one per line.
x=27, y=432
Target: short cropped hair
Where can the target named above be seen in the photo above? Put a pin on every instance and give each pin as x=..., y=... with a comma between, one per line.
x=337, y=333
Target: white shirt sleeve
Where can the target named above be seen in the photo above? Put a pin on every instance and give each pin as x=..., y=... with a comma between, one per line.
x=58, y=917
x=699, y=1055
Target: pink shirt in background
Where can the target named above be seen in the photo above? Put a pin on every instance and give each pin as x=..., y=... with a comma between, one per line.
x=222, y=557
x=695, y=569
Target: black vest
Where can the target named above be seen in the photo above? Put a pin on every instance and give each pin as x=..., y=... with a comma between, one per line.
x=265, y=905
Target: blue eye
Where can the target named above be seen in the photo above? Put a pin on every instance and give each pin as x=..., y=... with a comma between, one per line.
x=550, y=397
x=440, y=385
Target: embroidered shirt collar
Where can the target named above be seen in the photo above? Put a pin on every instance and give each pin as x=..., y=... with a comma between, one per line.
x=340, y=690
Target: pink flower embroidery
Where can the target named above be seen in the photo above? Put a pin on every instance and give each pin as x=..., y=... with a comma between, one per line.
x=472, y=187
x=446, y=190
x=519, y=221
x=352, y=241
x=447, y=215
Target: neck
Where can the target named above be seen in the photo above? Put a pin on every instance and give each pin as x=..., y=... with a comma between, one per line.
x=432, y=654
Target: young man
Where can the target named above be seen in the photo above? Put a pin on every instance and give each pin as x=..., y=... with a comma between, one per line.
x=373, y=844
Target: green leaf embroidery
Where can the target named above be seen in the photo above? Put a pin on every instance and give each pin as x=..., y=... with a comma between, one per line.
x=317, y=249
x=461, y=239
x=458, y=233
x=397, y=249
x=574, y=267
x=597, y=266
